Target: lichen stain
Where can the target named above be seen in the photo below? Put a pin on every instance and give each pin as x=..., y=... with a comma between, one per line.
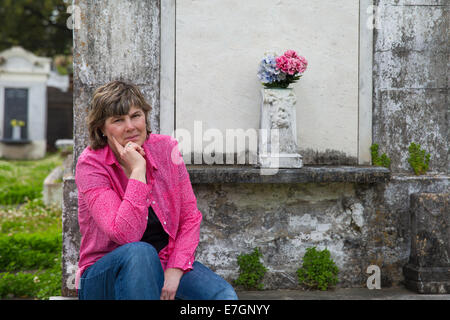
x=327, y=157
x=379, y=216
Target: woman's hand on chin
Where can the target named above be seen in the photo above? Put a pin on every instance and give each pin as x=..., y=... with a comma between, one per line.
x=131, y=157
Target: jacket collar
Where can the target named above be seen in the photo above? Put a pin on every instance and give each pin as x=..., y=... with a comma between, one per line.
x=110, y=158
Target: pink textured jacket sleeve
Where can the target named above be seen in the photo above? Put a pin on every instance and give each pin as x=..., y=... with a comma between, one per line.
x=123, y=221
x=188, y=234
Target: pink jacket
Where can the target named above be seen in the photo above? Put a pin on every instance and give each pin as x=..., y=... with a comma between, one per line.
x=113, y=210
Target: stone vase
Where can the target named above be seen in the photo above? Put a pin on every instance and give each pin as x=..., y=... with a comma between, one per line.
x=16, y=132
x=277, y=145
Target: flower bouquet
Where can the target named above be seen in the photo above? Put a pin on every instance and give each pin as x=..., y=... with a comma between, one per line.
x=17, y=123
x=280, y=71
x=16, y=128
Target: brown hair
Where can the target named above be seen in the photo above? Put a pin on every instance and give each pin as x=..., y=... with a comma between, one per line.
x=113, y=99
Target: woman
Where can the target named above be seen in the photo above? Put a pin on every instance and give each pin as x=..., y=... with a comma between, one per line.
x=137, y=212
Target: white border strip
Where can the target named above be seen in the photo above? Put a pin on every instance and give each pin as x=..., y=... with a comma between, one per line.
x=167, y=73
x=365, y=82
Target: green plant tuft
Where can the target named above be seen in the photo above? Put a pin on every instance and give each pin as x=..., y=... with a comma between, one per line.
x=418, y=159
x=251, y=270
x=383, y=161
x=318, y=270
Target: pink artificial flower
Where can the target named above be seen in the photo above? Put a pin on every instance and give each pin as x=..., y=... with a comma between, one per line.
x=302, y=64
x=291, y=54
x=282, y=64
x=291, y=63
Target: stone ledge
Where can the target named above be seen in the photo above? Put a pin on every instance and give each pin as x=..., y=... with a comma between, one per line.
x=201, y=174
x=14, y=141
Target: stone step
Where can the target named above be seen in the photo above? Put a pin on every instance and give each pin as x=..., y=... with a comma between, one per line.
x=394, y=293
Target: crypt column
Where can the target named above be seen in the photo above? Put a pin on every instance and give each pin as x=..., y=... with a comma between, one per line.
x=113, y=40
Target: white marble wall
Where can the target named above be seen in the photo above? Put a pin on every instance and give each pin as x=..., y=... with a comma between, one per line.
x=218, y=48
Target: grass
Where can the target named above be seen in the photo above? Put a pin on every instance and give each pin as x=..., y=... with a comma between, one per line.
x=22, y=180
x=30, y=231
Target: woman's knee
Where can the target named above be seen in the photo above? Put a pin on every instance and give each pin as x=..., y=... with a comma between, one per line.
x=220, y=288
x=140, y=254
x=139, y=247
x=227, y=293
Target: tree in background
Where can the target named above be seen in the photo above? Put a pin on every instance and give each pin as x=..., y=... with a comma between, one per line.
x=38, y=26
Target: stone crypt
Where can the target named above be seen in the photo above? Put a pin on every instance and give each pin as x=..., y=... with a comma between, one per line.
x=384, y=83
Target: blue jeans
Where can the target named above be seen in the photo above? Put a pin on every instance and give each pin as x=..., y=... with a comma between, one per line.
x=134, y=272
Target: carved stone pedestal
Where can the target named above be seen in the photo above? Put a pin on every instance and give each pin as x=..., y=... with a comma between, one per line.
x=428, y=269
x=277, y=147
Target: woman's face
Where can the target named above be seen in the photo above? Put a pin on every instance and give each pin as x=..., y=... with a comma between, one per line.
x=130, y=127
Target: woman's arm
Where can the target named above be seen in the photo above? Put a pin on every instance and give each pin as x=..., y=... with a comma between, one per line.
x=172, y=277
x=123, y=221
x=188, y=234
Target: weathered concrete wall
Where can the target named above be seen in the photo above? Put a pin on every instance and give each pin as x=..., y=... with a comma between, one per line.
x=410, y=104
x=361, y=225
x=411, y=80
x=71, y=238
x=117, y=40
x=428, y=270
